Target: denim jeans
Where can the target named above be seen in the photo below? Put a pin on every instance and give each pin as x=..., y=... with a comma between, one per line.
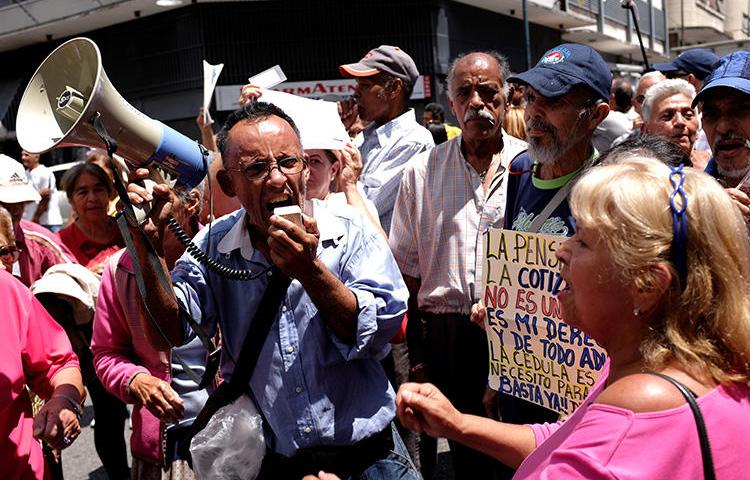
x=363, y=461
x=397, y=465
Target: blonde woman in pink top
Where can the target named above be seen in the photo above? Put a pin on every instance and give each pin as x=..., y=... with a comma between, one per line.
x=659, y=299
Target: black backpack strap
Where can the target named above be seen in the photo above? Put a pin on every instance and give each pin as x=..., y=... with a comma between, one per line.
x=708, y=462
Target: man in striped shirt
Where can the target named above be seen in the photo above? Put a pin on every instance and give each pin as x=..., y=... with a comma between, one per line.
x=447, y=198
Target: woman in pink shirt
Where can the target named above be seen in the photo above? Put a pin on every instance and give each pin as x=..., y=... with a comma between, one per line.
x=659, y=299
x=34, y=351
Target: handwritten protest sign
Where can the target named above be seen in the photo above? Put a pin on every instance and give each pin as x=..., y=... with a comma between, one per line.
x=534, y=355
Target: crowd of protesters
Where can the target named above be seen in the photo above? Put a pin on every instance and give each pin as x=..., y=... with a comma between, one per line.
x=359, y=338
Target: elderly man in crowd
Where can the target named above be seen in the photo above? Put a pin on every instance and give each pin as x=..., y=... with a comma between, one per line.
x=566, y=98
x=325, y=399
x=448, y=196
x=385, y=79
x=692, y=65
x=668, y=112
x=725, y=104
x=647, y=81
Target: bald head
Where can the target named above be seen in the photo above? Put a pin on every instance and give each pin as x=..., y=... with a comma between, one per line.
x=646, y=82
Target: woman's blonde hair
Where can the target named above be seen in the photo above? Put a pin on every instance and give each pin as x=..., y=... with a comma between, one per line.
x=514, y=123
x=706, y=324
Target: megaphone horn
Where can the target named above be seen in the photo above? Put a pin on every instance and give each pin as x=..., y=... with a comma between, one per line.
x=65, y=94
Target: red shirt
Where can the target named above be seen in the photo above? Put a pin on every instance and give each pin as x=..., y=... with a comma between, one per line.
x=89, y=252
x=40, y=249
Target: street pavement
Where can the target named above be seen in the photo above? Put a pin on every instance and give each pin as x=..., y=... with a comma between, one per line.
x=80, y=461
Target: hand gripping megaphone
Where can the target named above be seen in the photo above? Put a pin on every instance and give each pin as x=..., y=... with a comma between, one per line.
x=70, y=89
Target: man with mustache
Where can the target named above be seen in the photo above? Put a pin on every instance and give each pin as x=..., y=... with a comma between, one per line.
x=448, y=196
x=567, y=95
x=385, y=79
x=325, y=399
x=724, y=101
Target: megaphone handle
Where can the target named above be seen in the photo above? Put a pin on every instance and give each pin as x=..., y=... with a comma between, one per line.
x=140, y=212
x=109, y=142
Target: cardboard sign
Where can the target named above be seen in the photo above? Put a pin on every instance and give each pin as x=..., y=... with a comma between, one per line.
x=533, y=354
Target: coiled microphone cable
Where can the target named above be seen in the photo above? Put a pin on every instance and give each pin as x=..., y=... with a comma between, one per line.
x=201, y=256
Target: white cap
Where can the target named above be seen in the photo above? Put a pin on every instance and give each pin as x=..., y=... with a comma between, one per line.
x=14, y=185
x=73, y=283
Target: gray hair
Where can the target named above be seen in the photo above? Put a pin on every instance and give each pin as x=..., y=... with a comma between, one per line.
x=664, y=89
x=500, y=59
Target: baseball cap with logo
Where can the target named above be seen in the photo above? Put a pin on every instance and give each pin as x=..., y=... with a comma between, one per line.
x=386, y=58
x=565, y=67
x=14, y=186
x=732, y=71
x=697, y=61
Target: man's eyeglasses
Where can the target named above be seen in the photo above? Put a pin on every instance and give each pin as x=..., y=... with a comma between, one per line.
x=9, y=250
x=261, y=170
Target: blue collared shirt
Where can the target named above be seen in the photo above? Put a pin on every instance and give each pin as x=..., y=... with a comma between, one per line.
x=385, y=151
x=312, y=388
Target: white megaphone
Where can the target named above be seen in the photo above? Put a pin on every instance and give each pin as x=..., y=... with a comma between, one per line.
x=64, y=96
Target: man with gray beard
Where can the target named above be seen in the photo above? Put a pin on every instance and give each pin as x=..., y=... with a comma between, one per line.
x=724, y=101
x=566, y=98
x=447, y=197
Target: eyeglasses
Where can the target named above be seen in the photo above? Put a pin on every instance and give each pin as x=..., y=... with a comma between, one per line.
x=639, y=99
x=9, y=250
x=261, y=170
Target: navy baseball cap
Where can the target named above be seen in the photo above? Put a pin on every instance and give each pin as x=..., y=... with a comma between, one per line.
x=697, y=61
x=566, y=66
x=732, y=71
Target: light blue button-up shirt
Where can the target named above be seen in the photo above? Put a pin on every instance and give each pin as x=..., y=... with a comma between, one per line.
x=312, y=388
x=385, y=152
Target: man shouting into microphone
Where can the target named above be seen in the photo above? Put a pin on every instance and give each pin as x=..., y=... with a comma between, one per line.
x=318, y=382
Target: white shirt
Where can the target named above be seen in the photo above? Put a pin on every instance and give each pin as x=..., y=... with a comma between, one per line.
x=440, y=215
x=42, y=177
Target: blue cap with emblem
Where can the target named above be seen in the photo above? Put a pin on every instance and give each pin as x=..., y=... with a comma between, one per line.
x=566, y=66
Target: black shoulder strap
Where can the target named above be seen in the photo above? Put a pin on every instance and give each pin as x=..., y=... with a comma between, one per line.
x=708, y=462
x=256, y=335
